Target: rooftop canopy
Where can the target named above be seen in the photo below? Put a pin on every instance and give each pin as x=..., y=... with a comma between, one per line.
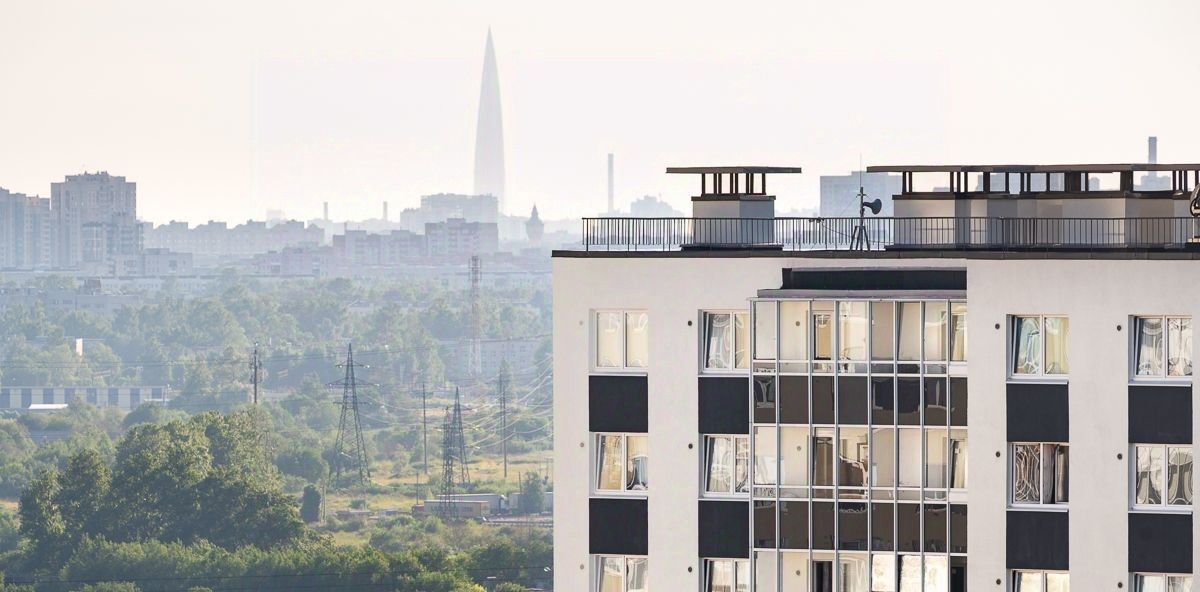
x=733, y=180
x=733, y=170
x=1032, y=168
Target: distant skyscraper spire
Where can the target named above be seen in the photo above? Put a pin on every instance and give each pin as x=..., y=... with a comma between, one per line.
x=489, y=132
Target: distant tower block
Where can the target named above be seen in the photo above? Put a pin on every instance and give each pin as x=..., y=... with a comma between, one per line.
x=534, y=228
x=489, y=132
x=610, y=183
x=1152, y=158
x=385, y=211
x=325, y=210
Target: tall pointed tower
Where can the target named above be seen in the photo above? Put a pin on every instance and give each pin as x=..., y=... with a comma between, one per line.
x=489, y=132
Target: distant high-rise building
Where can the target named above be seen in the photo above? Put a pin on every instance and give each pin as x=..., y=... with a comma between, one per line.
x=839, y=193
x=611, y=208
x=489, y=132
x=1153, y=181
x=25, y=225
x=534, y=228
x=95, y=218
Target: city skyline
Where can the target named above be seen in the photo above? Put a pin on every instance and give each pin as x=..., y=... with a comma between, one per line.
x=299, y=114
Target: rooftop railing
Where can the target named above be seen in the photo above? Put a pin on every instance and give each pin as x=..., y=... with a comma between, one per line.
x=830, y=234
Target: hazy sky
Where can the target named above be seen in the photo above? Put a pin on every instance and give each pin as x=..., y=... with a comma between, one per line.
x=222, y=110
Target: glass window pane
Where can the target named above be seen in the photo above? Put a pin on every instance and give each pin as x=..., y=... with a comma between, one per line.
x=1057, y=335
x=958, y=459
x=609, y=340
x=883, y=337
x=1179, y=347
x=935, y=331
x=883, y=572
x=742, y=467
x=636, y=461
x=764, y=330
x=793, y=330
x=795, y=572
x=822, y=450
x=612, y=574
x=1179, y=584
x=1149, y=475
x=822, y=328
x=764, y=572
x=1149, y=583
x=910, y=573
x=741, y=340
x=637, y=339
x=852, y=328
x=883, y=458
x=852, y=457
x=610, y=464
x=742, y=575
x=635, y=574
x=718, y=575
x=937, y=573
x=718, y=350
x=1058, y=582
x=1057, y=473
x=1148, y=334
x=958, y=332
x=910, y=331
x=1026, y=474
x=764, y=456
x=718, y=470
x=854, y=573
x=1179, y=476
x=1027, y=581
x=935, y=458
x=910, y=458
x=794, y=469
x=1027, y=345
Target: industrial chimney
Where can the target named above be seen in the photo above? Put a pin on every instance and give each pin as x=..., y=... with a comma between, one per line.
x=325, y=216
x=1153, y=157
x=385, y=211
x=610, y=183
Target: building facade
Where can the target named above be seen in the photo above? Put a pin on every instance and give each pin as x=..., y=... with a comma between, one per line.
x=985, y=406
x=25, y=231
x=94, y=218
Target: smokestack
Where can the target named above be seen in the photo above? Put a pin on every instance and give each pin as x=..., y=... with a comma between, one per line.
x=385, y=211
x=326, y=214
x=610, y=183
x=1153, y=150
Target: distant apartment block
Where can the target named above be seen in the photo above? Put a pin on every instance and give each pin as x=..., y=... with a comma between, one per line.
x=219, y=240
x=521, y=355
x=94, y=218
x=152, y=263
x=444, y=206
x=839, y=193
x=457, y=237
x=25, y=231
x=359, y=247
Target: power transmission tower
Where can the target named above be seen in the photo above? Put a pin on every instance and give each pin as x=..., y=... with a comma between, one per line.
x=461, y=436
x=424, y=432
x=502, y=392
x=350, y=450
x=454, y=454
x=255, y=368
x=476, y=361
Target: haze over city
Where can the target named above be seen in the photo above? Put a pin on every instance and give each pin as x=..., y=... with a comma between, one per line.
x=226, y=110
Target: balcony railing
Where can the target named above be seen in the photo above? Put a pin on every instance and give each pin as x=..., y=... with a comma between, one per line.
x=830, y=234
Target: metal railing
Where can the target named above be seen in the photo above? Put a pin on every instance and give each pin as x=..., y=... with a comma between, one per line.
x=824, y=234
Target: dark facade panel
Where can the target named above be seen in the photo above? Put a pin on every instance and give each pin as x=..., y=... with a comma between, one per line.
x=874, y=279
x=1038, y=413
x=1038, y=540
x=1160, y=414
x=724, y=529
x=822, y=400
x=793, y=399
x=793, y=525
x=724, y=406
x=617, y=404
x=764, y=525
x=958, y=402
x=1160, y=543
x=853, y=400
x=617, y=526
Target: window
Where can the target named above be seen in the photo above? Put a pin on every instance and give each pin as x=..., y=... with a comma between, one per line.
x=621, y=462
x=1039, y=345
x=726, y=575
x=726, y=340
x=1040, y=581
x=622, y=340
x=1039, y=474
x=620, y=574
x=726, y=464
x=1162, y=583
x=1162, y=347
x=1162, y=476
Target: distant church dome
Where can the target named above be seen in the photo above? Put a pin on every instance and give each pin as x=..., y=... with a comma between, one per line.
x=534, y=228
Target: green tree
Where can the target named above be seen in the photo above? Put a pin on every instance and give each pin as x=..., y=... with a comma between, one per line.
x=41, y=523
x=533, y=494
x=111, y=587
x=82, y=496
x=310, y=504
